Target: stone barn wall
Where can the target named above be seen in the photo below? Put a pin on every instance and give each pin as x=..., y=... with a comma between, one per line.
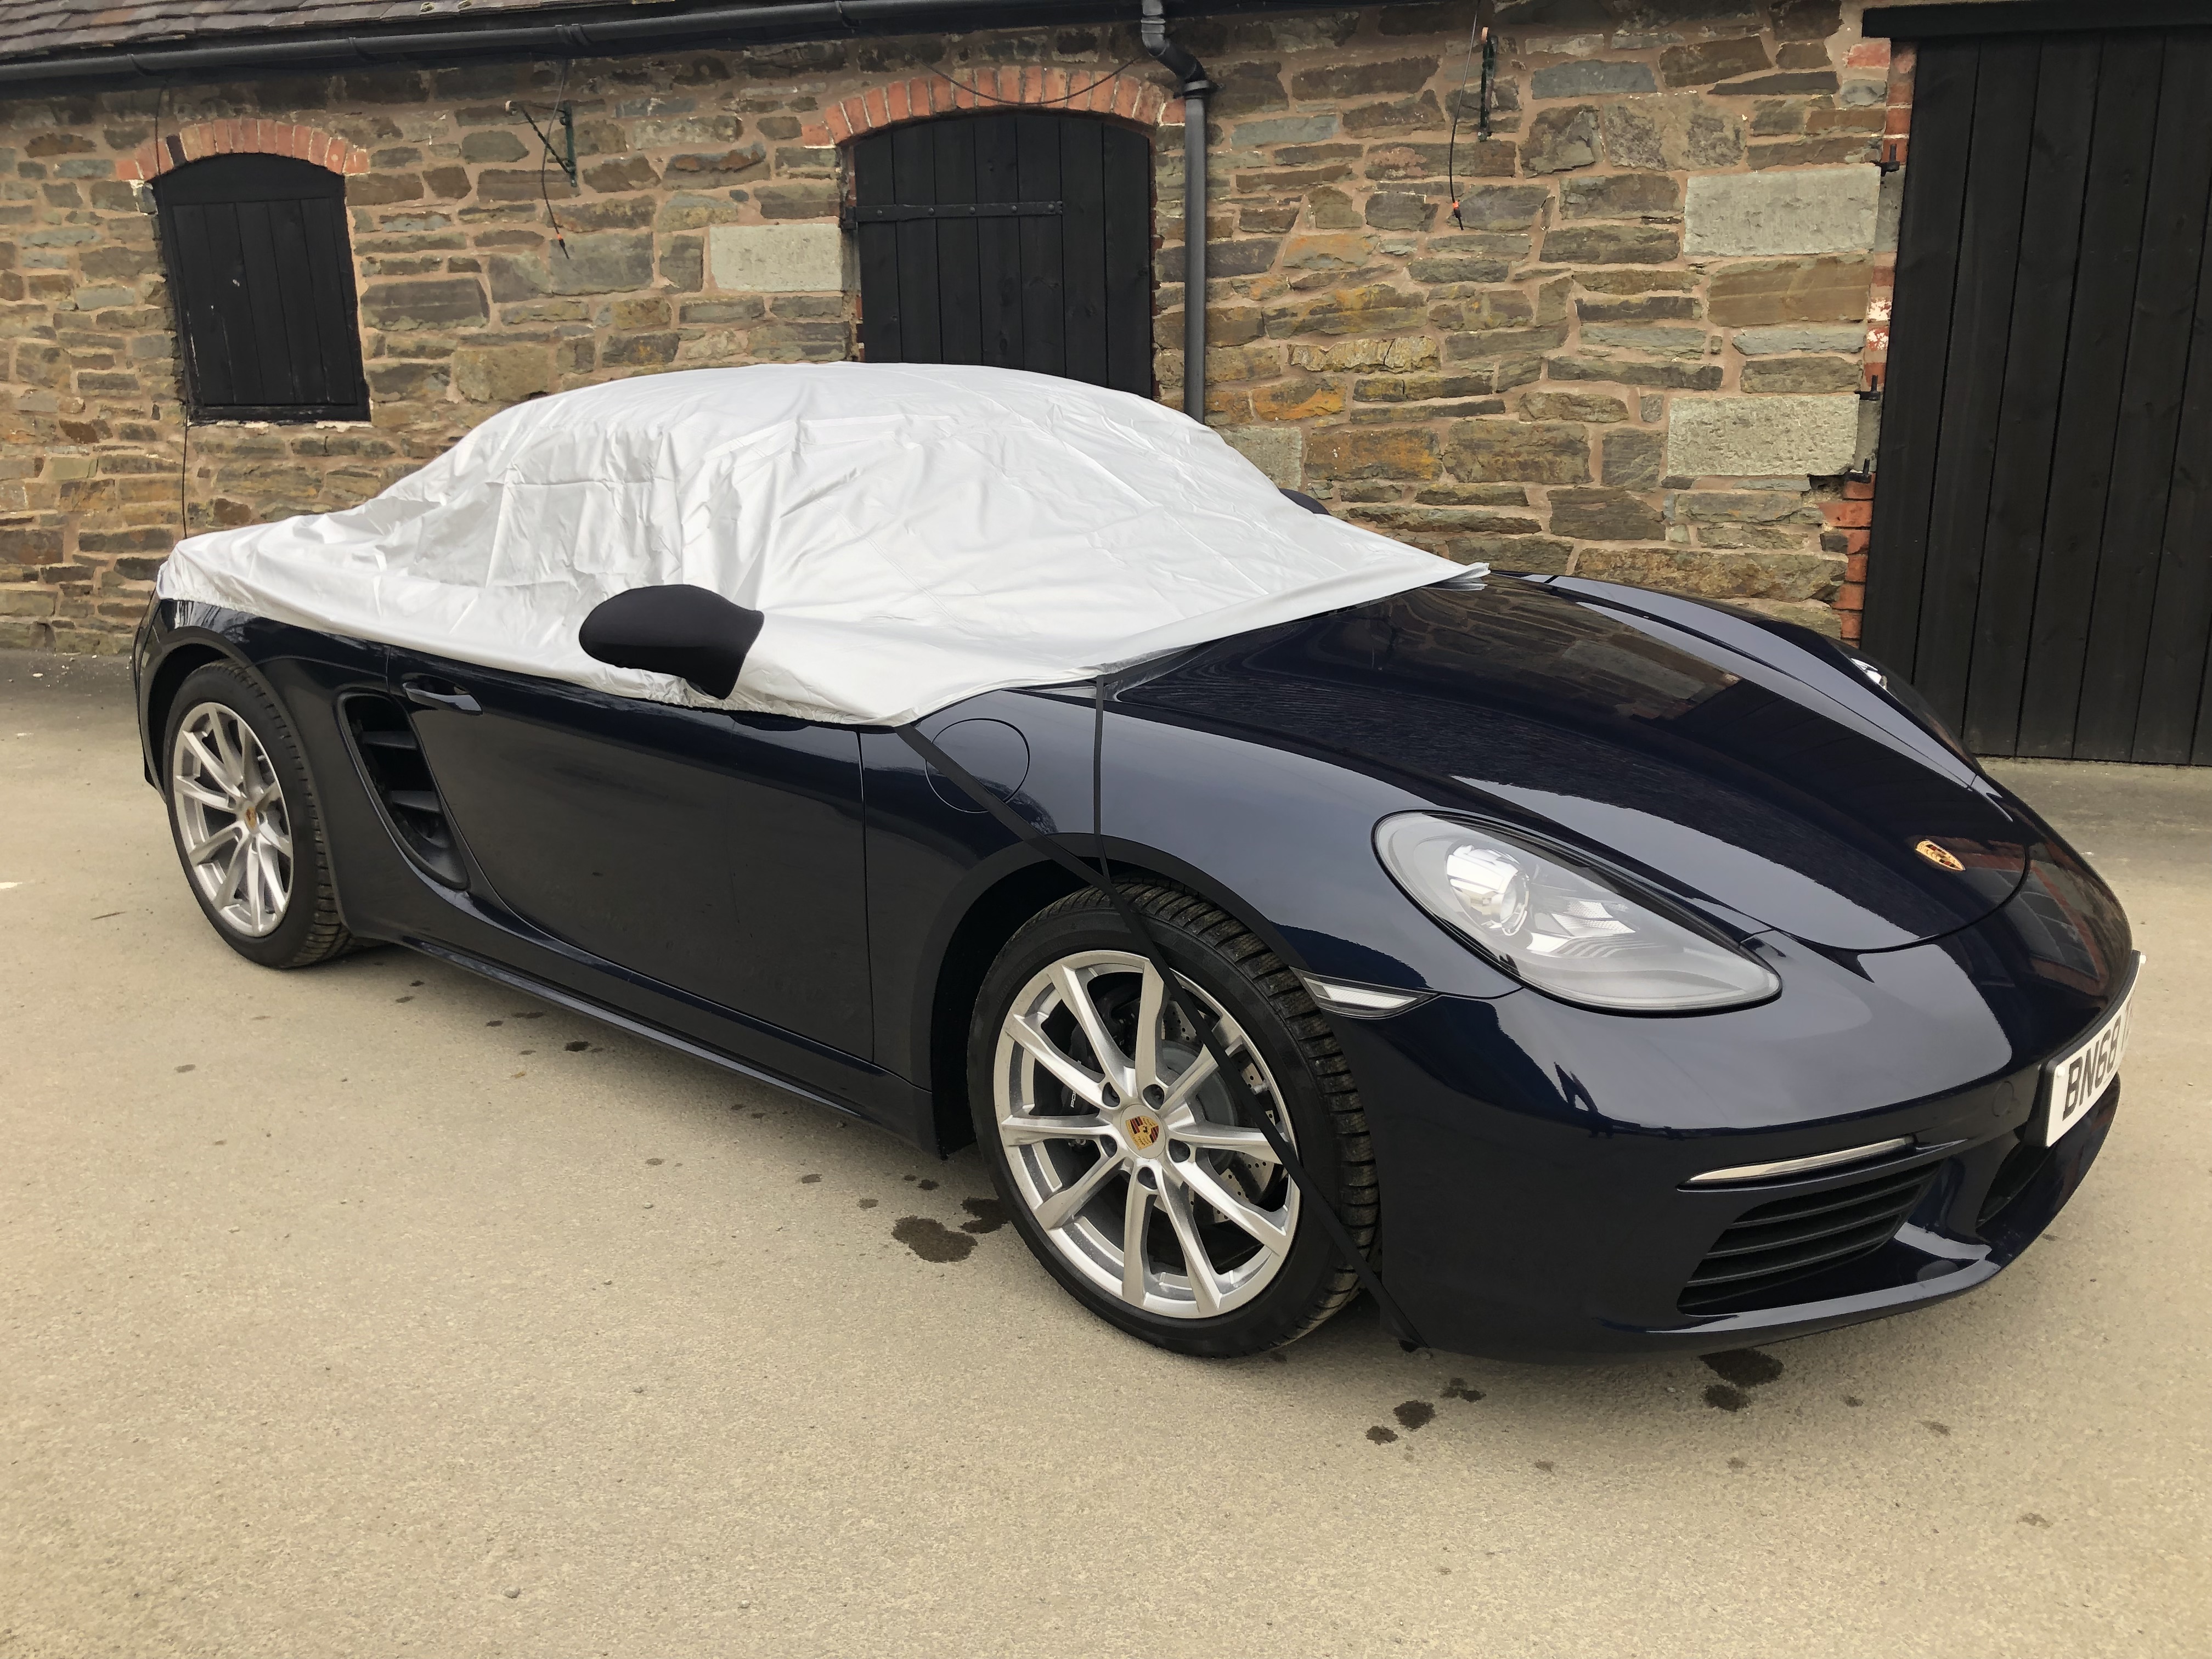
x=1636, y=355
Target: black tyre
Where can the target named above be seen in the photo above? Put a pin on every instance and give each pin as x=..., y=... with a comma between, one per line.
x=1120, y=1155
x=244, y=818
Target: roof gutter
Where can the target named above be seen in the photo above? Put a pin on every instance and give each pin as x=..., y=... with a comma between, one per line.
x=599, y=37
x=1996, y=17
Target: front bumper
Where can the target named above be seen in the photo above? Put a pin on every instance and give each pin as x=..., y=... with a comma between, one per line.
x=1982, y=1207
x=1532, y=1156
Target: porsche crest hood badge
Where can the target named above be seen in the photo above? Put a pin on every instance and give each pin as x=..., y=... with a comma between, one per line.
x=1941, y=857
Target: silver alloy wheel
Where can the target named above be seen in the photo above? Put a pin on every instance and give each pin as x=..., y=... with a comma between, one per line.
x=1121, y=1138
x=232, y=821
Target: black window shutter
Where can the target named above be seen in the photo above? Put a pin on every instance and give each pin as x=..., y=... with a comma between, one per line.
x=261, y=275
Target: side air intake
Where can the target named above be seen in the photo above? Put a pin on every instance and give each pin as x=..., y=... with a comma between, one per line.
x=391, y=762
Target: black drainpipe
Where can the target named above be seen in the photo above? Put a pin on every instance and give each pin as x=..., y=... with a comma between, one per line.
x=1153, y=31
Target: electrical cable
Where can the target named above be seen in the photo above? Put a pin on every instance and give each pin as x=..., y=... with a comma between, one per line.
x=982, y=96
x=545, y=155
x=184, y=389
x=1250, y=1114
x=1478, y=34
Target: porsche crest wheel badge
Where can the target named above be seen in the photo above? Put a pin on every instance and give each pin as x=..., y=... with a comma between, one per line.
x=1144, y=1130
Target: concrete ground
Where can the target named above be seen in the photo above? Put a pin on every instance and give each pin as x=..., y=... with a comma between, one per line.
x=375, y=1310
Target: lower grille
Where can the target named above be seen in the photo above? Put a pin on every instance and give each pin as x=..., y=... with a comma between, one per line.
x=1793, y=1238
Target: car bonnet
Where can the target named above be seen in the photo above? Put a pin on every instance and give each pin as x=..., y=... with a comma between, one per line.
x=1695, y=746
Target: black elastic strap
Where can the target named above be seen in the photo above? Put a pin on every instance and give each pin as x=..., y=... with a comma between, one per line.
x=1394, y=1317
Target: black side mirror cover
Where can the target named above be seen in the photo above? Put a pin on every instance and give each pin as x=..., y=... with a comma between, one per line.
x=1306, y=502
x=690, y=632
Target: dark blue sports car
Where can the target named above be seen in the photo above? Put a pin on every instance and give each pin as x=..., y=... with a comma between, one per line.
x=1629, y=973
x=1579, y=970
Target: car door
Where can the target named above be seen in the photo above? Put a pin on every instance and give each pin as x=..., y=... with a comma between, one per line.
x=717, y=853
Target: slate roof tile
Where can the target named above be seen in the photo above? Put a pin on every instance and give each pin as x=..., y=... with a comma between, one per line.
x=32, y=28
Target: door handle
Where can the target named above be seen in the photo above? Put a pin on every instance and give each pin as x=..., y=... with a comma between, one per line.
x=439, y=694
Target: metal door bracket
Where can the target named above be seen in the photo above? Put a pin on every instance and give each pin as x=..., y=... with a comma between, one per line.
x=563, y=119
x=883, y=213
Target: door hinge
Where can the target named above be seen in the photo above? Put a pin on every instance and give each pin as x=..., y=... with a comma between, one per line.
x=880, y=213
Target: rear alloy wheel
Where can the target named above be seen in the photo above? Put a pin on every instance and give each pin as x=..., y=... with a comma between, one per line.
x=1119, y=1148
x=244, y=818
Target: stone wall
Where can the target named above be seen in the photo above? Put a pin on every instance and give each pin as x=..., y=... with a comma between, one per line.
x=1634, y=353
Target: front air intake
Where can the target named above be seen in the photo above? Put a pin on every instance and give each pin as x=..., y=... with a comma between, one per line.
x=1791, y=1238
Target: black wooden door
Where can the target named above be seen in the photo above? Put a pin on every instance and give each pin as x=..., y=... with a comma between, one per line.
x=2041, y=560
x=1016, y=240
x=262, y=279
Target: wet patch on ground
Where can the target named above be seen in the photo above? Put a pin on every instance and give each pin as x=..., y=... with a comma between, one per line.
x=1747, y=1368
x=1742, y=1370
x=1413, y=1414
x=931, y=1240
x=989, y=1215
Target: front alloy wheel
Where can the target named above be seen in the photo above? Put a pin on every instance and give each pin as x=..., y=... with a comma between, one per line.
x=248, y=828
x=1131, y=1166
x=1124, y=1145
x=233, y=827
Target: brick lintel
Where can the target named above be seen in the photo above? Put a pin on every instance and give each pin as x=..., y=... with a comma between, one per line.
x=240, y=136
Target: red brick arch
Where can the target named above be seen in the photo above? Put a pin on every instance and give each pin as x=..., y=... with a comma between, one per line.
x=242, y=136
x=1088, y=92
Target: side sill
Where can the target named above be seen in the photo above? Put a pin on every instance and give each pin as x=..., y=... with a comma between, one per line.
x=538, y=987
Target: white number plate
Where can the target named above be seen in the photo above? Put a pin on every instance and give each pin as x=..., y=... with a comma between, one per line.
x=2074, y=1081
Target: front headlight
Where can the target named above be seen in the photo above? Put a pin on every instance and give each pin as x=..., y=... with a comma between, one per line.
x=1574, y=933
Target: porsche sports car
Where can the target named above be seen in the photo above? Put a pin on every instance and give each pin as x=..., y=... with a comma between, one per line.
x=1587, y=971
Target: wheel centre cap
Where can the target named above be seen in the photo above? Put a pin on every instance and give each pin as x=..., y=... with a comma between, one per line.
x=1143, y=1130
